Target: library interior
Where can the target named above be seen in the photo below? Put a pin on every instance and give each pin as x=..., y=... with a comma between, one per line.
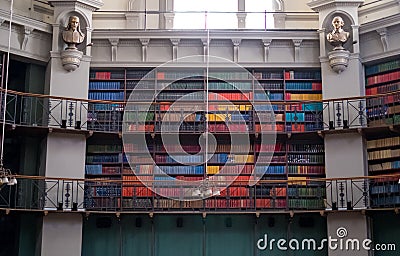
x=204, y=128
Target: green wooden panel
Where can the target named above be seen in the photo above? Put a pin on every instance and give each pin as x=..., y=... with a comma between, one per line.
x=28, y=234
x=386, y=230
x=229, y=235
x=101, y=241
x=275, y=227
x=173, y=239
x=136, y=235
x=316, y=230
x=281, y=227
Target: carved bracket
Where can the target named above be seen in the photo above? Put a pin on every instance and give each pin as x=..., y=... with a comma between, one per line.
x=175, y=43
x=25, y=36
x=297, y=44
x=266, y=43
x=383, y=34
x=114, y=48
x=236, y=42
x=205, y=48
x=145, y=43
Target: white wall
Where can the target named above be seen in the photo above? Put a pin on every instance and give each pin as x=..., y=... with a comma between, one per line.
x=62, y=234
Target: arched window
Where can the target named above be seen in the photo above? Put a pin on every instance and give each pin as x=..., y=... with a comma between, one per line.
x=193, y=14
x=257, y=16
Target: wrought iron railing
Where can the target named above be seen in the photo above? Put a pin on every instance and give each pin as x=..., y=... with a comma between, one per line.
x=51, y=194
x=106, y=116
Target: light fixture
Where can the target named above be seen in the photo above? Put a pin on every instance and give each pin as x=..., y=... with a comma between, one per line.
x=5, y=174
x=205, y=189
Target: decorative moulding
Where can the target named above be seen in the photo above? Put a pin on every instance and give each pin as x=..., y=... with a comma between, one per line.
x=320, y=5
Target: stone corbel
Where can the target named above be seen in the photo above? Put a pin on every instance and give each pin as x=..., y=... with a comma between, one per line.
x=280, y=20
x=25, y=36
x=175, y=43
x=266, y=43
x=145, y=43
x=241, y=18
x=297, y=44
x=383, y=34
x=236, y=42
x=205, y=48
x=169, y=20
x=114, y=48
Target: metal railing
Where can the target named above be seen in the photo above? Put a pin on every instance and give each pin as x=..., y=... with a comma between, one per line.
x=301, y=116
x=41, y=193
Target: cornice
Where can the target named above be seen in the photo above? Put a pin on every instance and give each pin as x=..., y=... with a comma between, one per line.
x=198, y=34
x=381, y=55
x=128, y=64
x=381, y=23
x=91, y=5
x=26, y=54
x=320, y=5
x=363, y=11
x=27, y=22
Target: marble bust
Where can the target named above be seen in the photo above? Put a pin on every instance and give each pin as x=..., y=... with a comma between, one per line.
x=337, y=37
x=72, y=35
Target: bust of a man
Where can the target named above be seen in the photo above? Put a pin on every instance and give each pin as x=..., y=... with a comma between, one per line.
x=338, y=36
x=72, y=35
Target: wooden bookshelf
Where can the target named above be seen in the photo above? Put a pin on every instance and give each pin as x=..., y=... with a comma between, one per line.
x=383, y=78
x=190, y=119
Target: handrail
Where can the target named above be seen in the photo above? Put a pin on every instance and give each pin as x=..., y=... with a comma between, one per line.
x=285, y=102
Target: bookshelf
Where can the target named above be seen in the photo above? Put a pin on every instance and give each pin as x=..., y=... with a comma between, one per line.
x=236, y=107
x=383, y=78
x=384, y=159
x=105, y=160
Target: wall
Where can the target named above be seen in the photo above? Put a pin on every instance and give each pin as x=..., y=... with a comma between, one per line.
x=181, y=235
x=62, y=234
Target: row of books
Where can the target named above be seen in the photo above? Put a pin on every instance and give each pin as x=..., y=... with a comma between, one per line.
x=277, y=147
x=98, y=169
x=382, y=154
x=106, y=158
x=299, y=192
x=393, y=200
x=385, y=189
x=310, y=203
x=293, y=96
x=271, y=169
x=229, y=169
x=105, y=85
x=108, y=148
x=304, y=169
x=306, y=158
x=116, y=96
x=230, y=86
x=137, y=192
x=383, y=67
x=383, y=78
x=107, y=75
x=386, y=142
x=303, y=75
x=143, y=85
x=384, y=166
x=233, y=75
x=383, y=89
x=261, y=191
x=104, y=190
x=181, y=86
x=303, y=86
x=271, y=85
x=183, y=170
x=179, y=74
x=186, y=159
x=312, y=148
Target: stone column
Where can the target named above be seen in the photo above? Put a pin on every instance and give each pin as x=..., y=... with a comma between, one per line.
x=65, y=152
x=345, y=153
